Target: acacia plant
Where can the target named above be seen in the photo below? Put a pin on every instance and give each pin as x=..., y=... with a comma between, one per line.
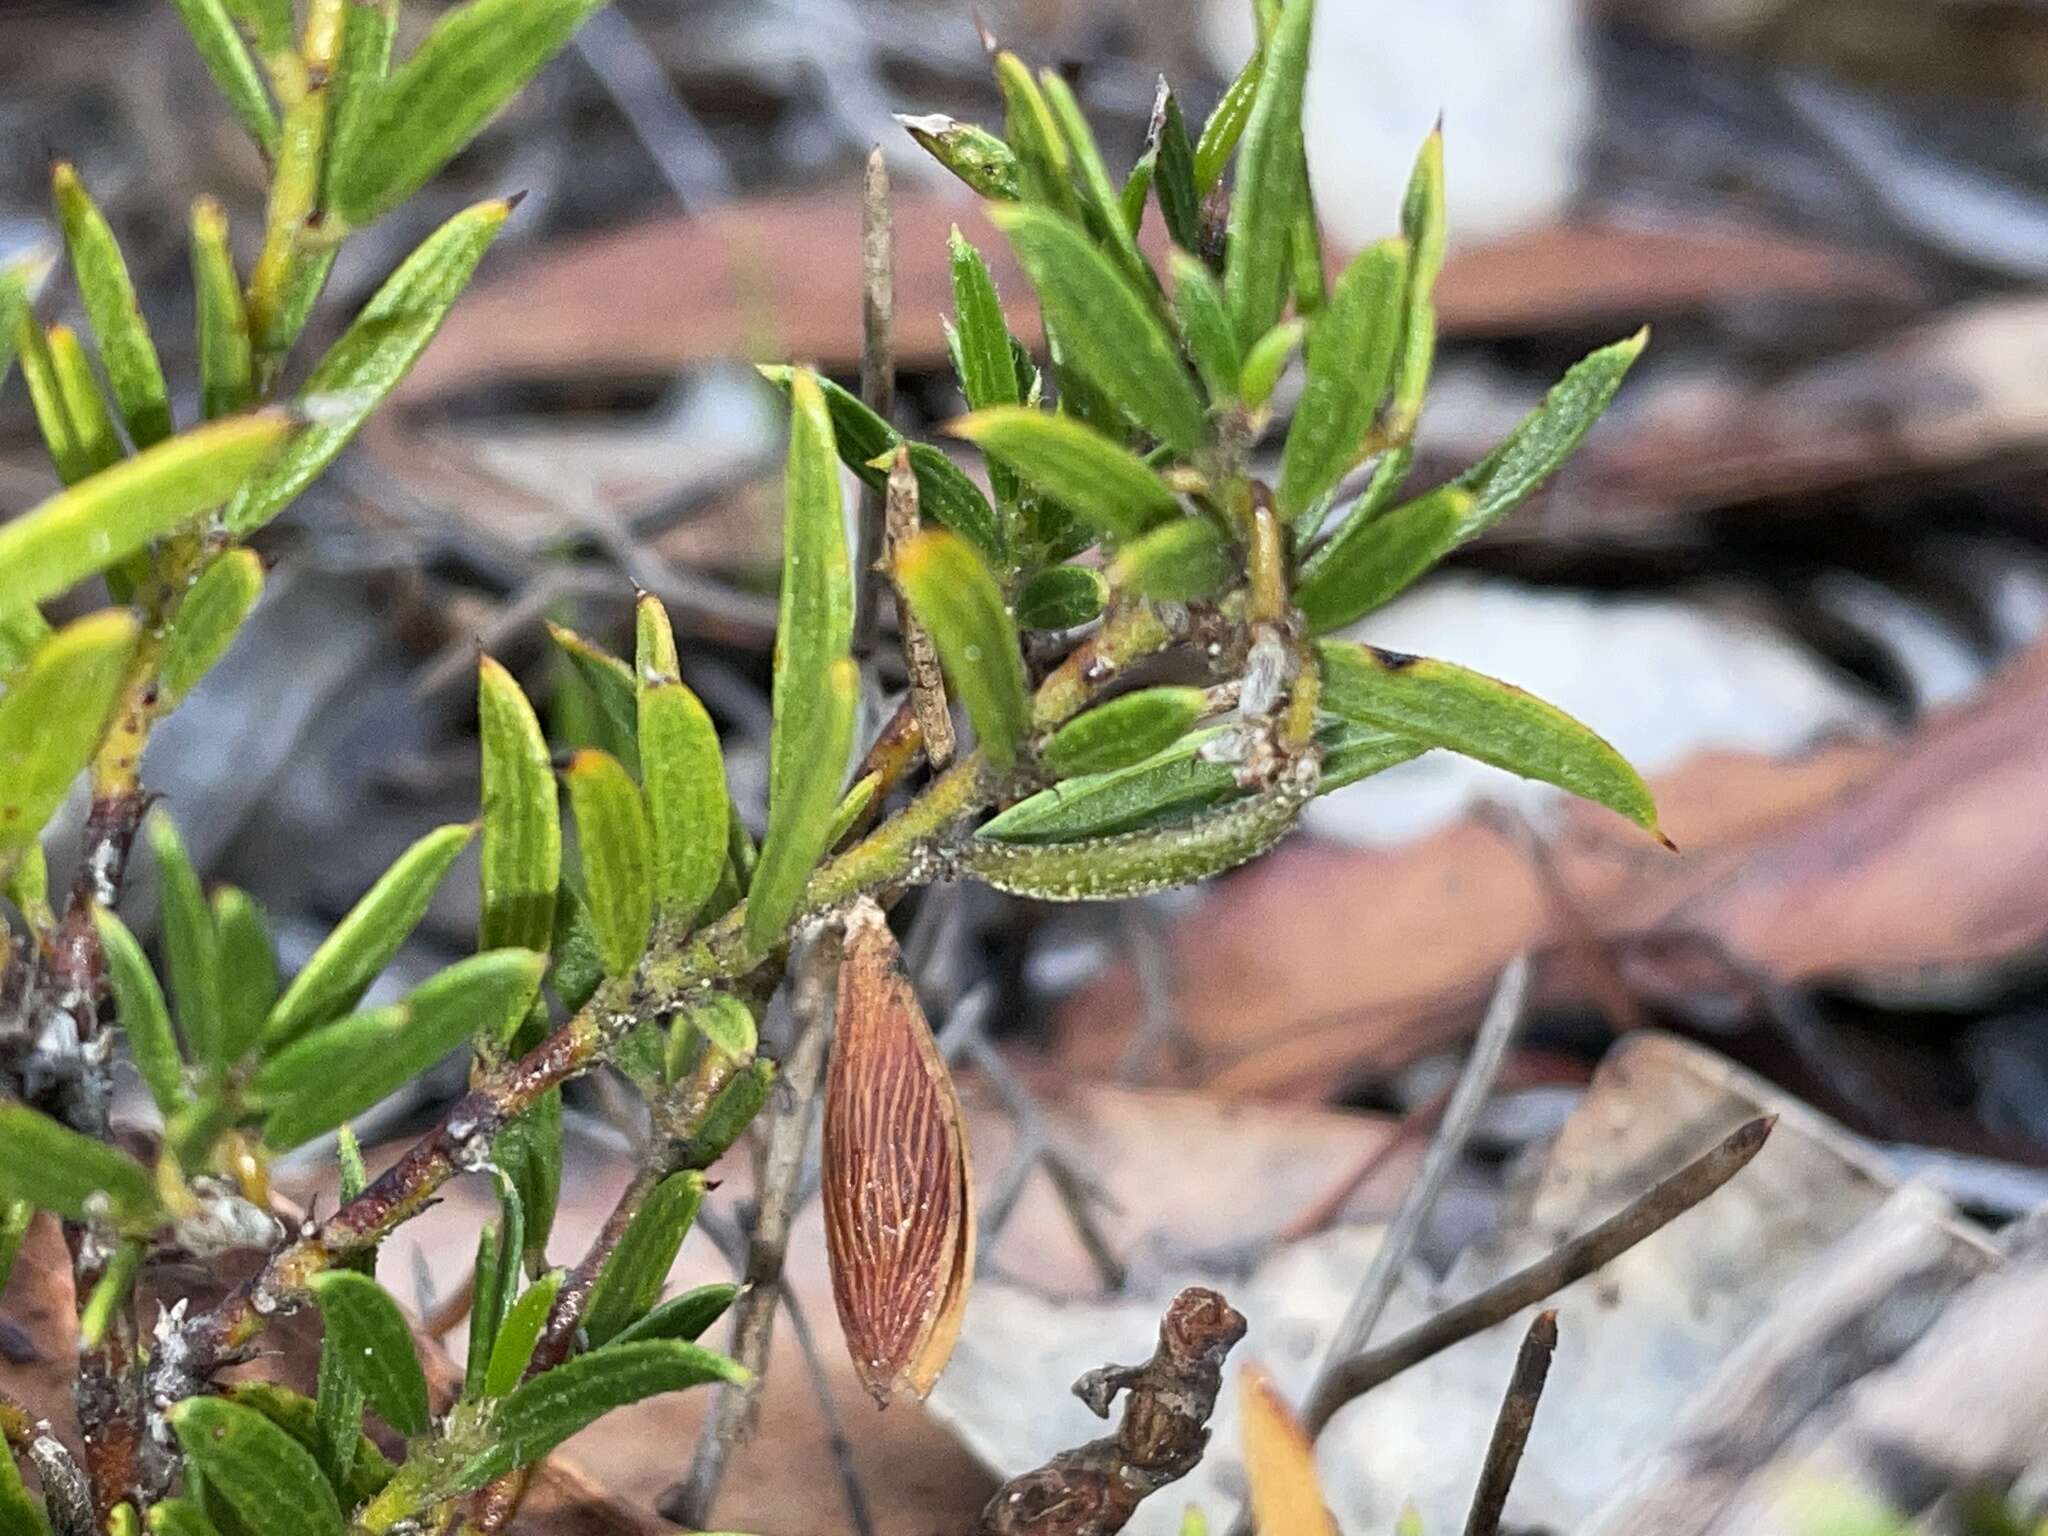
x=1134, y=620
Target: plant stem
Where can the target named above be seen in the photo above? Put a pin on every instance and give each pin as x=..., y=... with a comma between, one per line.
x=1511, y=1429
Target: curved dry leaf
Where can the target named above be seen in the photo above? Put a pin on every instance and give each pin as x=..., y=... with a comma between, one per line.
x=898, y=1195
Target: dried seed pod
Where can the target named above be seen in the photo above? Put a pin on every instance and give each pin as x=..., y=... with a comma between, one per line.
x=898, y=1189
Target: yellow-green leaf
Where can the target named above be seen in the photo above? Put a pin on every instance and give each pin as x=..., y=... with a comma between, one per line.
x=684, y=1317
x=1350, y=364
x=95, y=442
x=363, y=942
x=683, y=773
x=1270, y=183
x=372, y=356
x=53, y=716
x=1176, y=562
x=1106, y=326
x=616, y=848
x=1443, y=705
x=340, y=1070
x=971, y=153
x=109, y=294
x=1044, y=171
x=109, y=516
x=522, y=842
x=207, y=619
x=264, y=1475
x=191, y=951
x=56, y=1169
x=227, y=363
x=1266, y=359
x=955, y=597
x=800, y=828
x=247, y=969
x=1205, y=326
x=1126, y=730
x=1100, y=203
x=370, y=1335
x=1074, y=464
x=1220, y=134
x=476, y=59
x=551, y=1407
x=512, y=1350
x=226, y=58
x=143, y=1014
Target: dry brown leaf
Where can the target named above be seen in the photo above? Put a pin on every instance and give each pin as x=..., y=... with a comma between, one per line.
x=1279, y=1462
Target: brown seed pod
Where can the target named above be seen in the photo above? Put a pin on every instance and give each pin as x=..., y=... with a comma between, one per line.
x=898, y=1186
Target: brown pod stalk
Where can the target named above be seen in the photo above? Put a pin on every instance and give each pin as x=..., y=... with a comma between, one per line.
x=898, y=1187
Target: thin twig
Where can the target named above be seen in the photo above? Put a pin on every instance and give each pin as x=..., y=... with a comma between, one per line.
x=1324, y=1210
x=877, y=380
x=1511, y=1429
x=920, y=657
x=814, y=976
x=1475, y=1083
x=1580, y=1257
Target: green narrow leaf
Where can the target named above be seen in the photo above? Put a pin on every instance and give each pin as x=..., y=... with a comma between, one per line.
x=683, y=772
x=684, y=1317
x=1106, y=327
x=234, y=73
x=46, y=397
x=14, y=307
x=1191, y=775
x=361, y=65
x=1205, y=326
x=988, y=368
x=227, y=364
x=973, y=154
x=1350, y=364
x=247, y=969
x=338, y=1071
x=616, y=848
x=190, y=951
x=475, y=60
x=955, y=597
x=372, y=356
x=867, y=445
x=486, y=1311
x=1266, y=359
x=550, y=1408
x=362, y=943
x=1180, y=201
x=612, y=687
x=371, y=1336
x=1371, y=559
x=1132, y=863
x=109, y=516
x=1044, y=172
x=369, y=1469
x=1100, y=205
x=731, y=1112
x=53, y=716
x=800, y=828
x=577, y=960
x=56, y=1169
x=1126, y=730
x=109, y=295
x=1270, y=183
x=264, y=1475
x=1062, y=597
x=20, y=1514
x=22, y=630
x=632, y=1278
x=1177, y=562
x=1077, y=466
x=1424, y=224
x=111, y=1290
x=206, y=621
x=529, y=1150
x=96, y=443
x=518, y=1336
x=522, y=841
x=815, y=687
x=1220, y=134
x=139, y=1004
x=1443, y=705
